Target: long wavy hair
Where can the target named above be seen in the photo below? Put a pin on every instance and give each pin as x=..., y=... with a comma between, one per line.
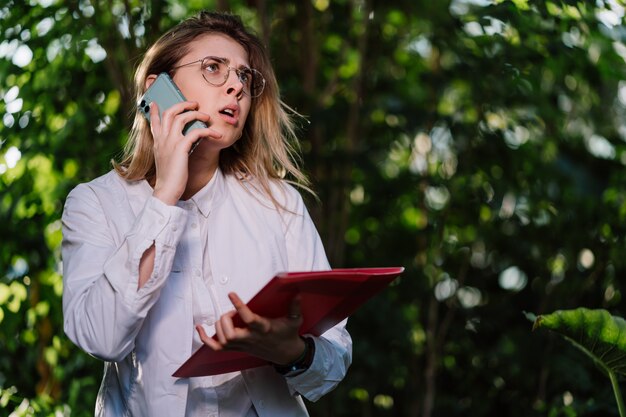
x=268, y=148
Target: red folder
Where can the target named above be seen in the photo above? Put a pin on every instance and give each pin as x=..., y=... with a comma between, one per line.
x=326, y=298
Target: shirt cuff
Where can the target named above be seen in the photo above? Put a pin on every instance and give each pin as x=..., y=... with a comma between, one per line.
x=323, y=370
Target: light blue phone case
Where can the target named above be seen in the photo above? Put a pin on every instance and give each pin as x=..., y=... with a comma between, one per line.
x=165, y=94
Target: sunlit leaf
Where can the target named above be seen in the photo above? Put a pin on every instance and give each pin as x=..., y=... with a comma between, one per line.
x=599, y=335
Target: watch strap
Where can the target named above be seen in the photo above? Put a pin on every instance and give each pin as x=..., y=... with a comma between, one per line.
x=302, y=363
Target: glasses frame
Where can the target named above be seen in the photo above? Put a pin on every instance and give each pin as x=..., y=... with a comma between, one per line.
x=238, y=72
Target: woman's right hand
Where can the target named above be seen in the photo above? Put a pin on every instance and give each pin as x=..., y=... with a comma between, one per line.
x=171, y=147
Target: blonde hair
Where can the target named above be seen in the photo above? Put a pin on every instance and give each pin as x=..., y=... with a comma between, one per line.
x=267, y=149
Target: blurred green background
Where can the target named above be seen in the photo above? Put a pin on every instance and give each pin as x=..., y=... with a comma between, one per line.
x=479, y=143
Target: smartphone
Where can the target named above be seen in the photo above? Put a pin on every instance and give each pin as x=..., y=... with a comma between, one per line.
x=165, y=94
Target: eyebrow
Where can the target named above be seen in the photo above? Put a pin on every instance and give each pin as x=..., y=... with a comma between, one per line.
x=226, y=61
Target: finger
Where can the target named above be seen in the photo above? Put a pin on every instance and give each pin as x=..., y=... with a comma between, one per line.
x=206, y=133
x=295, y=309
x=254, y=321
x=203, y=117
x=155, y=120
x=182, y=119
x=219, y=332
x=234, y=298
x=227, y=326
x=181, y=107
x=197, y=133
x=168, y=115
x=193, y=136
x=212, y=343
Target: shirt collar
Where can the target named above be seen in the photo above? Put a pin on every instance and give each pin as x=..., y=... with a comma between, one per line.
x=206, y=199
x=210, y=194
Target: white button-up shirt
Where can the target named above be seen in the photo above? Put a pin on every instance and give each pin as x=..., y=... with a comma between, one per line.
x=224, y=395
x=227, y=238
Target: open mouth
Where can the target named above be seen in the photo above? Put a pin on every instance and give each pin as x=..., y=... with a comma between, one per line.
x=228, y=112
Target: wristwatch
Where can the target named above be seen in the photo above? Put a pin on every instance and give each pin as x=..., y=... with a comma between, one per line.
x=302, y=363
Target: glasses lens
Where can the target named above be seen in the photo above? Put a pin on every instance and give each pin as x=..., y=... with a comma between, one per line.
x=215, y=72
x=257, y=85
x=245, y=77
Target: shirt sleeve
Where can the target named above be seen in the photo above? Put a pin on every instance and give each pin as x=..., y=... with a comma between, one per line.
x=333, y=349
x=103, y=309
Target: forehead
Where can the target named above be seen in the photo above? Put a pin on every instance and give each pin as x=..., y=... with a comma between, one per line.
x=217, y=45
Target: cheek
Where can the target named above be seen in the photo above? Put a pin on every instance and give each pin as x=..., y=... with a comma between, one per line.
x=185, y=86
x=245, y=113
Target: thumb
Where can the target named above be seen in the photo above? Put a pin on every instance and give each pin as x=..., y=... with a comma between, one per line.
x=295, y=309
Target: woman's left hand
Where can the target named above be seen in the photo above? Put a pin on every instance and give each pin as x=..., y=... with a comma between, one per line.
x=275, y=340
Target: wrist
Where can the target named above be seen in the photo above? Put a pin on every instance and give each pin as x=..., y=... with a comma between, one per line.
x=167, y=198
x=294, y=352
x=300, y=364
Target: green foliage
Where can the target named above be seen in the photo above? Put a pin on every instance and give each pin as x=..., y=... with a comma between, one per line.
x=599, y=335
x=478, y=143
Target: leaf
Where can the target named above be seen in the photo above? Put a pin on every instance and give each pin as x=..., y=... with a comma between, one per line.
x=599, y=335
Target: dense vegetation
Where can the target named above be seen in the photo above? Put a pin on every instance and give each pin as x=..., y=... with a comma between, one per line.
x=478, y=143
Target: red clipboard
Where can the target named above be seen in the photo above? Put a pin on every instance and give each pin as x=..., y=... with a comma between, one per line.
x=326, y=298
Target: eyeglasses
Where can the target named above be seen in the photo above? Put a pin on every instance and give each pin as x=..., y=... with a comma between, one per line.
x=216, y=71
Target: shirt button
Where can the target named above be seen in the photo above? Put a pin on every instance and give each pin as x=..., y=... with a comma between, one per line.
x=197, y=272
x=224, y=279
x=262, y=404
x=194, y=225
x=174, y=228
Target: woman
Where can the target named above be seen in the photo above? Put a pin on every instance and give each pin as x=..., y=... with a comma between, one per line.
x=170, y=240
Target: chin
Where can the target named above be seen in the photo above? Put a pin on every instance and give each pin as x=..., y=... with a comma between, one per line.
x=217, y=144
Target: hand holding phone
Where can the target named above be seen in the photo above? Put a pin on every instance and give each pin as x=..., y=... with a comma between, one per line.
x=165, y=94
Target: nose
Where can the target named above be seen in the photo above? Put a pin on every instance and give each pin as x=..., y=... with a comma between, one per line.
x=233, y=83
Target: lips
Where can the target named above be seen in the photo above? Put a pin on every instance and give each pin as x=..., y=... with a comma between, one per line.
x=230, y=114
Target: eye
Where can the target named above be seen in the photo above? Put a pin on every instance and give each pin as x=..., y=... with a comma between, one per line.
x=212, y=67
x=245, y=76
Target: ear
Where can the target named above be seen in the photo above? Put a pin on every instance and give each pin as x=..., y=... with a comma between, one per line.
x=151, y=78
